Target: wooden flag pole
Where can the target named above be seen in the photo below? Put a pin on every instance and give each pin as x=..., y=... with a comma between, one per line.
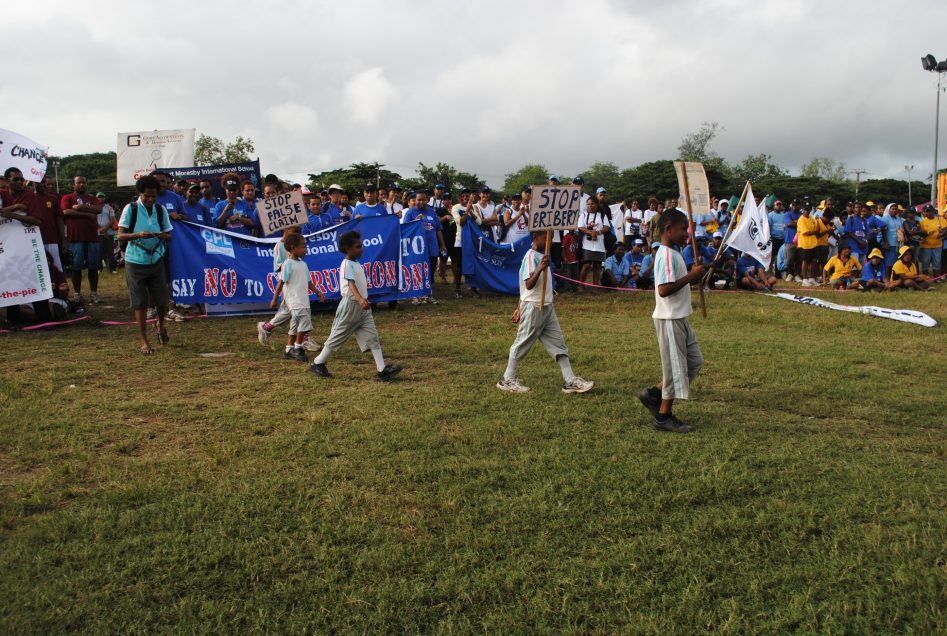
x=542, y=293
x=733, y=218
x=690, y=221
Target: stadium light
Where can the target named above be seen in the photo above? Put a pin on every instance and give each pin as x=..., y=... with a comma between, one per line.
x=930, y=63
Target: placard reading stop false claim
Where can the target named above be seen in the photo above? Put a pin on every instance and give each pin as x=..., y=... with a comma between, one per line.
x=281, y=212
x=555, y=208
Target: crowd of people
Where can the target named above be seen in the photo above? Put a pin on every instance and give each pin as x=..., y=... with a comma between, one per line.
x=868, y=246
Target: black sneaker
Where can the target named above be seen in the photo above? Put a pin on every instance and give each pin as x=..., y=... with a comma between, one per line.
x=298, y=353
x=389, y=372
x=320, y=370
x=288, y=354
x=650, y=402
x=671, y=424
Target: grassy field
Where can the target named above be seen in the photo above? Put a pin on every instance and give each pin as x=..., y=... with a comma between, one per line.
x=243, y=494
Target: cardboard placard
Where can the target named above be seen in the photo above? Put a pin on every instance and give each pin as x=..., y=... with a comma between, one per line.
x=281, y=212
x=555, y=208
x=697, y=187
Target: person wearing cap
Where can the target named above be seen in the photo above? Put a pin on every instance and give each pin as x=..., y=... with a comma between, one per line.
x=646, y=275
x=371, y=206
x=227, y=207
x=394, y=207
x=904, y=274
x=707, y=254
x=515, y=222
x=856, y=231
x=635, y=255
x=193, y=210
x=808, y=228
x=439, y=190
x=777, y=227
x=792, y=248
x=751, y=276
x=553, y=180
x=333, y=211
x=874, y=273
x=843, y=269
x=449, y=230
x=107, y=225
x=934, y=229
x=433, y=234
x=460, y=217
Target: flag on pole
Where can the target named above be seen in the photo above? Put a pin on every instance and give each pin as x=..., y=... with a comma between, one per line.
x=752, y=233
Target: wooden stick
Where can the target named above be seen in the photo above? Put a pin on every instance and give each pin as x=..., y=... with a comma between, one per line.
x=542, y=293
x=690, y=220
x=723, y=244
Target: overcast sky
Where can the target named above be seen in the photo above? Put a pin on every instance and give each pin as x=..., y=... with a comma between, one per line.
x=486, y=86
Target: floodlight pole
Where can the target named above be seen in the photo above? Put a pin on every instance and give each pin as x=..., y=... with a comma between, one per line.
x=940, y=75
x=909, y=169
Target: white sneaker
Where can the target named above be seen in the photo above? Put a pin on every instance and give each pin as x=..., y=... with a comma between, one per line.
x=151, y=314
x=262, y=334
x=577, y=385
x=788, y=278
x=93, y=298
x=311, y=345
x=512, y=386
x=175, y=316
x=415, y=301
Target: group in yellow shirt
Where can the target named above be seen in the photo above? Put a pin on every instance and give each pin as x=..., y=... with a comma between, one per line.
x=842, y=267
x=904, y=272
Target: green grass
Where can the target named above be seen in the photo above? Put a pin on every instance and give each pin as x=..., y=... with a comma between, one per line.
x=242, y=494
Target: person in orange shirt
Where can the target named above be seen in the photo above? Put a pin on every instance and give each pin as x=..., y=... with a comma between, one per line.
x=842, y=267
x=933, y=231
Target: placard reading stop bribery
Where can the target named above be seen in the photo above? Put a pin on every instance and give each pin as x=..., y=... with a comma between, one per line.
x=555, y=208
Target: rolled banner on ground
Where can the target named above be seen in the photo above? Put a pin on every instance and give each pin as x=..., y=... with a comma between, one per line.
x=903, y=315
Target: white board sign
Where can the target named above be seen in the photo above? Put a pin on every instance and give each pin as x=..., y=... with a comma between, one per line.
x=282, y=211
x=17, y=151
x=139, y=153
x=555, y=208
x=24, y=273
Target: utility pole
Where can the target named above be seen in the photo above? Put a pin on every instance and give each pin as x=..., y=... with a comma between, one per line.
x=56, y=169
x=909, y=169
x=940, y=74
x=858, y=174
x=377, y=175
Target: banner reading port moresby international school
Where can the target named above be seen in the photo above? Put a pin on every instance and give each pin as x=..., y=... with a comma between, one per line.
x=24, y=273
x=212, y=266
x=17, y=151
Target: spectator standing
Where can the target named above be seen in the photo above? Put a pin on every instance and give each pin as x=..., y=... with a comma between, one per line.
x=592, y=226
x=793, y=269
x=81, y=211
x=808, y=229
x=106, y=222
x=208, y=198
x=17, y=204
x=433, y=234
x=515, y=221
x=892, y=233
x=51, y=220
x=933, y=231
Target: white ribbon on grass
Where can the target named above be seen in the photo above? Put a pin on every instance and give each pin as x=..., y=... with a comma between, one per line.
x=903, y=315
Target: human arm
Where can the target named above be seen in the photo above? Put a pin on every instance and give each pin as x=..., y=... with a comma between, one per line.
x=279, y=290
x=11, y=212
x=534, y=277
x=362, y=302
x=694, y=275
x=318, y=292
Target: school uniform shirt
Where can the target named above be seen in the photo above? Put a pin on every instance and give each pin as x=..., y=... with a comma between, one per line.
x=196, y=213
x=144, y=251
x=519, y=229
x=791, y=215
x=807, y=224
x=669, y=267
x=593, y=221
x=777, y=225
x=645, y=264
x=313, y=224
x=876, y=227
x=366, y=211
x=352, y=271
x=706, y=254
x=210, y=204
x=870, y=272
x=241, y=207
x=747, y=266
x=331, y=215
x=619, y=269
x=295, y=277
x=825, y=231
x=172, y=202
x=842, y=269
x=856, y=228
x=432, y=225
x=529, y=265
x=394, y=208
x=906, y=271
x=635, y=259
x=931, y=229
x=83, y=228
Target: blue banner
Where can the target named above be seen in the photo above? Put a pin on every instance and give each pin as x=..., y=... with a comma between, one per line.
x=489, y=265
x=214, y=266
x=246, y=169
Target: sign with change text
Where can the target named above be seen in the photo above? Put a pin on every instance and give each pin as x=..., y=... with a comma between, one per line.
x=24, y=273
x=282, y=211
x=555, y=208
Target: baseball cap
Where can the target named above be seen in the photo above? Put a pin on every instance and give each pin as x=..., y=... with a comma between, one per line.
x=335, y=186
x=875, y=252
x=872, y=203
x=516, y=196
x=100, y=195
x=639, y=242
x=306, y=190
x=395, y=187
x=438, y=186
x=554, y=177
x=526, y=188
x=655, y=245
x=600, y=190
x=718, y=235
x=231, y=184
x=486, y=189
x=447, y=195
x=465, y=191
x=578, y=179
x=193, y=186
x=370, y=187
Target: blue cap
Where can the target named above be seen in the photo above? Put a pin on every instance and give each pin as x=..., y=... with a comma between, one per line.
x=526, y=188
x=486, y=189
x=655, y=245
x=438, y=186
x=578, y=179
x=464, y=191
x=554, y=177
x=600, y=190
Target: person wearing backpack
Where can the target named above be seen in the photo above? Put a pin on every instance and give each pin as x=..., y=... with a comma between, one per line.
x=145, y=226
x=593, y=225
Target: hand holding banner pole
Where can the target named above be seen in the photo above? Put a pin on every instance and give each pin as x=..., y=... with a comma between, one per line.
x=723, y=244
x=542, y=294
x=690, y=221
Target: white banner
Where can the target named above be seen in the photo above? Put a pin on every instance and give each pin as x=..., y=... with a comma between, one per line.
x=24, y=274
x=752, y=233
x=141, y=152
x=904, y=315
x=17, y=151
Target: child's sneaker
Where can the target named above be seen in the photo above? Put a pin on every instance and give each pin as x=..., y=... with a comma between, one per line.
x=577, y=385
x=298, y=354
x=262, y=334
x=415, y=301
x=320, y=370
x=512, y=386
x=151, y=314
x=671, y=424
x=311, y=345
x=175, y=316
x=648, y=399
x=93, y=298
x=288, y=353
x=389, y=372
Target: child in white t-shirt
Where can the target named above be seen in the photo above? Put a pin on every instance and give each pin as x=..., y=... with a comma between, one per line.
x=354, y=314
x=681, y=358
x=538, y=321
x=295, y=285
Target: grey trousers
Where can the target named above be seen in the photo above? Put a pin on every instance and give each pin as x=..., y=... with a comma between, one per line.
x=681, y=358
x=352, y=320
x=538, y=324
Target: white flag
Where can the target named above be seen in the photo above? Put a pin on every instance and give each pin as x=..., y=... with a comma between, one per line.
x=752, y=233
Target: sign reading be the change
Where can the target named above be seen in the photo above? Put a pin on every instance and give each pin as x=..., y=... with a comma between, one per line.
x=281, y=212
x=555, y=208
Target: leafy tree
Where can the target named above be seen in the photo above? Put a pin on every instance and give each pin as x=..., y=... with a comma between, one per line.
x=755, y=167
x=654, y=178
x=695, y=146
x=825, y=168
x=210, y=151
x=354, y=177
x=446, y=174
x=604, y=174
x=98, y=168
x=532, y=174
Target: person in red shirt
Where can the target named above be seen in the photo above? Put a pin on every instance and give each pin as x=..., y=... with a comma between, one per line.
x=18, y=204
x=570, y=259
x=50, y=218
x=81, y=210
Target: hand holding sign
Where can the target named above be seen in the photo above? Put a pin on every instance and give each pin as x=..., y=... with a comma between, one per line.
x=282, y=211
